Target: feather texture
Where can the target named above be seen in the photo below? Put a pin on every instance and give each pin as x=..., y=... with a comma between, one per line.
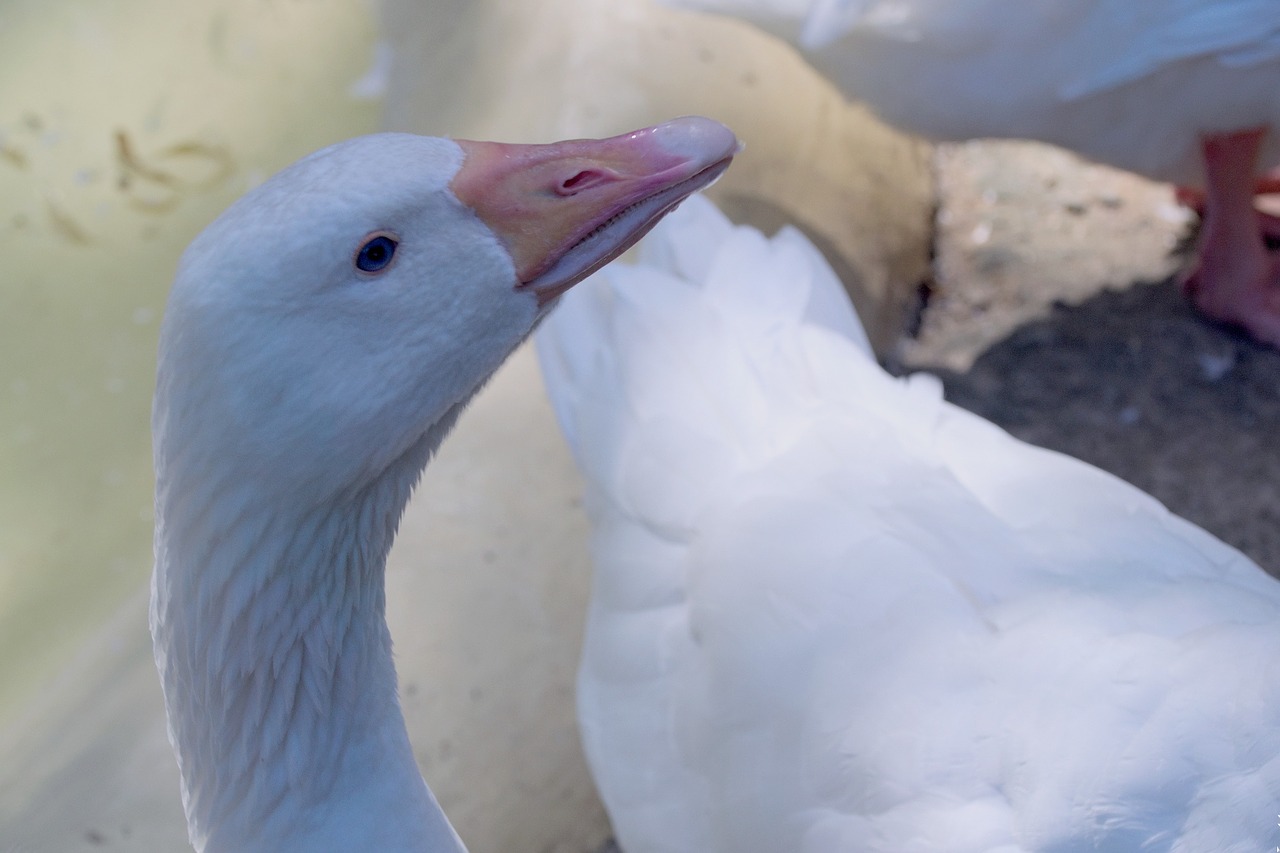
x=833, y=612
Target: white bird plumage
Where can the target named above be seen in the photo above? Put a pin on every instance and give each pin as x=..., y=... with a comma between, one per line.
x=303, y=383
x=832, y=612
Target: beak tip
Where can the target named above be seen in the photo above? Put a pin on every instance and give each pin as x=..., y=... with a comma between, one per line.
x=696, y=138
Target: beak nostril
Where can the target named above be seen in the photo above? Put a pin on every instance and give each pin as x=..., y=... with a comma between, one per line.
x=581, y=181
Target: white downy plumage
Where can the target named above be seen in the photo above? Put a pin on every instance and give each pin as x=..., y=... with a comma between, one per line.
x=833, y=612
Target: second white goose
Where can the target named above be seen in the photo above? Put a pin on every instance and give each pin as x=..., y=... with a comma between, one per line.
x=834, y=613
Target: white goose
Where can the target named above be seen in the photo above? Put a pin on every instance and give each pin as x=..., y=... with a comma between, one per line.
x=319, y=342
x=833, y=613
x=1178, y=90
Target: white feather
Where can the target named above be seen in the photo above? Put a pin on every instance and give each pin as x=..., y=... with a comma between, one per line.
x=833, y=612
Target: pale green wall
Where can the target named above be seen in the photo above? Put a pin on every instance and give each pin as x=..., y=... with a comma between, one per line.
x=213, y=94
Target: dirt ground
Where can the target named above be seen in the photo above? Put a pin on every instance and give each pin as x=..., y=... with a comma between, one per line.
x=1055, y=313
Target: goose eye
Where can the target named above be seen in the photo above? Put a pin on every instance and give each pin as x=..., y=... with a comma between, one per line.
x=376, y=253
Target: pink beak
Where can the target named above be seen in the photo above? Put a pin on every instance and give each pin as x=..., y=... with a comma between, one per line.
x=566, y=209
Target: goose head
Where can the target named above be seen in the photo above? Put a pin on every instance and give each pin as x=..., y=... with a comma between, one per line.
x=327, y=319
x=320, y=339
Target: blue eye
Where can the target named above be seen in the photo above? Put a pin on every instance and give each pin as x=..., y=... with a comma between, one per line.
x=376, y=254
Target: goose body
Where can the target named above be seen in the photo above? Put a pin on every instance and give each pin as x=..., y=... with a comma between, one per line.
x=320, y=340
x=834, y=613
x=1177, y=90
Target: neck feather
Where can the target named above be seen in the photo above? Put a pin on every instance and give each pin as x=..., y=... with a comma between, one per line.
x=272, y=644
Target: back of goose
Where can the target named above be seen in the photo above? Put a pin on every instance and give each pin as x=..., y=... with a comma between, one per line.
x=833, y=613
